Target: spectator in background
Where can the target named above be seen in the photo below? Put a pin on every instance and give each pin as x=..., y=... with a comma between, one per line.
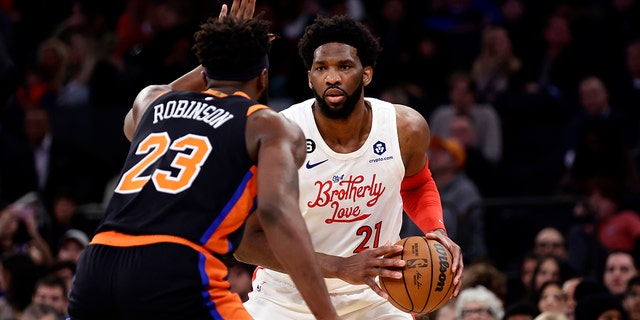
x=598, y=142
x=551, y=298
x=40, y=311
x=520, y=311
x=552, y=315
x=19, y=233
x=594, y=100
x=550, y=241
x=600, y=306
x=487, y=275
x=460, y=197
x=478, y=303
x=447, y=311
x=20, y=275
x=548, y=268
x=51, y=290
x=496, y=66
x=625, y=91
x=619, y=269
x=553, y=71
x=65, y=270
x=569, y=289
x=66, y=215
x=604, y=227
x=631, y=300
x=462, y=96
x=72, y=244
x=39, y=160
x=520, y=286
x=484, y=173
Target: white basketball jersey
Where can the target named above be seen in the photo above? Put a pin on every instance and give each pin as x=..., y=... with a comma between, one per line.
x=351, y=201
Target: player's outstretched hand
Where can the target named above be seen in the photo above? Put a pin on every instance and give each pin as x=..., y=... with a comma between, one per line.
x=365, y=266
x=241, y=9
x=457, y=264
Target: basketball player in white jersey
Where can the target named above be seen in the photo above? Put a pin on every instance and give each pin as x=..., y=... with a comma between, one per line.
x=366, y=161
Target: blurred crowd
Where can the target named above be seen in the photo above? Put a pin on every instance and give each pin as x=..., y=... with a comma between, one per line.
x=533, y=105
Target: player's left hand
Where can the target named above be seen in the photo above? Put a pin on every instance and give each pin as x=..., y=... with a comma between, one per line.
x=457, y=264
x=241, y=9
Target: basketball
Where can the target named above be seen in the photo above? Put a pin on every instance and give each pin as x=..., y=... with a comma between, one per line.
x=427, y=282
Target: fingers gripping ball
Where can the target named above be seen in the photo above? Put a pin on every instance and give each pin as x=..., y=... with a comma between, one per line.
x=427, y=282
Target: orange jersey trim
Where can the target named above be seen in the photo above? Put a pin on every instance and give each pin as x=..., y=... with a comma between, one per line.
x=226, y=304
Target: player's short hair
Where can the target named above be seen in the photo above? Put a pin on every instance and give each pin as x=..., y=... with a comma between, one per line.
x=340, y=29
x=233, y=49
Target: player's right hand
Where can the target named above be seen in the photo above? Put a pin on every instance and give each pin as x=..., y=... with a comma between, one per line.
x=241, y=9
x=365, y=266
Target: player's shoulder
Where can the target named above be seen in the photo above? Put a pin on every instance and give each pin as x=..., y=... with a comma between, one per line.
x=408, y=116
x=297, y=109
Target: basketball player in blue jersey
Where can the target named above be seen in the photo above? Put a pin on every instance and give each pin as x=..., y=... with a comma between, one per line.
x=200, y=163
x=366, y=162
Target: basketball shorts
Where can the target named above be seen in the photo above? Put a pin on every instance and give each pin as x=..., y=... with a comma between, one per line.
x=154, y=281
x=273, y=299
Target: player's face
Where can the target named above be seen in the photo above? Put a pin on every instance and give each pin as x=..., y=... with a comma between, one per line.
x=337, y=79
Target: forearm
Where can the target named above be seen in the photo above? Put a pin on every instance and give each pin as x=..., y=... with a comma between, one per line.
x=421, y=201
x=41, y=245
x=190, y=81
x=255, y=250
x=300, y=264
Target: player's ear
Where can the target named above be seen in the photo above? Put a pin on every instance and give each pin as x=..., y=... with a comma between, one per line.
x=204, y=79
x=309, y=80
x=263, y=80
x=367, y=76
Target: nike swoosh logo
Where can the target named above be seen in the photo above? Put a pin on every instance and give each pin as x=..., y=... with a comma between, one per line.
x=312, y=165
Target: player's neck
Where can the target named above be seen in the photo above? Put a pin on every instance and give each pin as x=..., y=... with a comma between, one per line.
x=349, y=134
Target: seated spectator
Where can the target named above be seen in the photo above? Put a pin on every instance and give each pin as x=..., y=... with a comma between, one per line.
x=447, y=311
x=65, y=270
x=485, y=118
x=551, y=298
x=484, y=173
x=20, y=275
x=599, y=153
x=521, y=311
x=72, y=244
x=550, y=241
x=478, y=303
x=496, y=65
x=520, y=282
x=548, y=268
x=19, y=233
x=487, y=275
x=631, y=300
x=594, y=100
x=600, y=306
x=604, y=226
x=40, y=311
x=619, y=269
x=552, y=315
x=569, y=288
x=460, y=197
x=65, y=216
x=52, y=290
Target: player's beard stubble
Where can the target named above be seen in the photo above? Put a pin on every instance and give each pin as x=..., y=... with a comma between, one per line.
x=347, y=107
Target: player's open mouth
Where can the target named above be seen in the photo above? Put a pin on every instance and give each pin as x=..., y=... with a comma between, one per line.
x=334, y=95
